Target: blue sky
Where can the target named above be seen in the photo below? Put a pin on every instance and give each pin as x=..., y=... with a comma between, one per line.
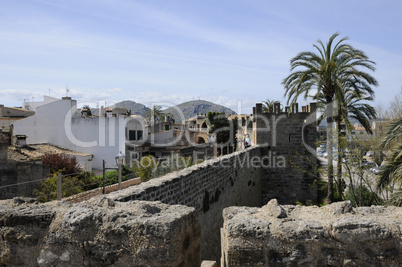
x=168, y=52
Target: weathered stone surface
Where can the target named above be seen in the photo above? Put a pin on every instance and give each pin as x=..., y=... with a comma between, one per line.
x=274, y=209
x=334, y=235
x=98, y=232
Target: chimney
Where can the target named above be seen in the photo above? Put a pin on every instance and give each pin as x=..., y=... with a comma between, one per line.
x=21, y=140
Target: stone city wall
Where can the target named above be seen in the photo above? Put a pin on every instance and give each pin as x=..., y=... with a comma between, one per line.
x=20, y=178
x=209, y=187
x=99, y=232
x=199, y=152
x=3, y=148
x=334, y=235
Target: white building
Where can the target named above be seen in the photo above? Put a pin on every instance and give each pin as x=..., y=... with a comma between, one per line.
x=10, y=115
x=32, y=105
x=61, y=123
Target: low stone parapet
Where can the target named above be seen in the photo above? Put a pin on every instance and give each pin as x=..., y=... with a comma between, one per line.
x=99, y=191
x=99, y=232
x=334, y=235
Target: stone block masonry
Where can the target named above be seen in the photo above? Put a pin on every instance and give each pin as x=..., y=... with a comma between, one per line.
x=99, y=232
x=208, y=187
x=287, y=142
x=20, y=178
x=334, y=235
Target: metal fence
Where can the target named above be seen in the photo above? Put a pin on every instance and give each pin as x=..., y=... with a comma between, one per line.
x=62, y=187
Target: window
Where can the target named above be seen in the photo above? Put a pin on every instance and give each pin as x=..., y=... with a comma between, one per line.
x=139, y=135
x=131, y=135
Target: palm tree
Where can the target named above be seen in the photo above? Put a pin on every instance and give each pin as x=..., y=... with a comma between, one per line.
x=326, y=75
x=268, y=104
x=392, y=172
x=154, y=114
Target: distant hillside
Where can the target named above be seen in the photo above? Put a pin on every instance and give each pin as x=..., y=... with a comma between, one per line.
x=136, y=108
x=191, y=108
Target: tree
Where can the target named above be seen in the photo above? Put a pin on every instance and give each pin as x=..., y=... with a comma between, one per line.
x=268, y=104
x=61, y=162
x=89, y=112
x=154, y=113
x=326, y=75
x=392, y=172
x=394, y=110
x=354, y=106
x=47, y=190
x=224, y=128
x=385, y=115
x=362, y=196
x=361, y=185
x=111, y=177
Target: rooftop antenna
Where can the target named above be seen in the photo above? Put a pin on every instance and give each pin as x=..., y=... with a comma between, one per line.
x=67, y=90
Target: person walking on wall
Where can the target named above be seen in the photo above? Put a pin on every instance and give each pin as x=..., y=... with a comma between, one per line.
x=247, y=141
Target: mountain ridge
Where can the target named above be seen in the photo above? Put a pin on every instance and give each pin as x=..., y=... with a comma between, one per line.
x=190, y=109
x=185, y=110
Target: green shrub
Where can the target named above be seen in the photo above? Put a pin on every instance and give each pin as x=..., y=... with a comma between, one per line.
x=145, y=168
x=362, y=197
x=112, y=177
x=89, y=181
x=47, y=190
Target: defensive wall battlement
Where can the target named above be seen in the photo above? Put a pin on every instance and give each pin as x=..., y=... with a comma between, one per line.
x=334, y=235
x=98, y=232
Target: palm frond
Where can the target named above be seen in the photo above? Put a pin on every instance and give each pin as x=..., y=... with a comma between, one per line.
x=394, y=132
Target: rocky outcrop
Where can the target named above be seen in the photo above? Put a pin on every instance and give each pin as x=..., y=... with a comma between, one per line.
x=334, y=235
x=98, y=232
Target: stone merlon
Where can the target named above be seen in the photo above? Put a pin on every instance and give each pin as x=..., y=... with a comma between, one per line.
x=334, y=235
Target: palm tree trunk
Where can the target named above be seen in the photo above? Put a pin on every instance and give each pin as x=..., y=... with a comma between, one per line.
x=330, y=166
x=339, y=165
